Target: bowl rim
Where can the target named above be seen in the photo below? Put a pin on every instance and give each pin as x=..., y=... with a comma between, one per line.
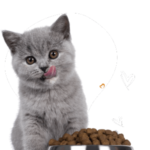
x=100, y=146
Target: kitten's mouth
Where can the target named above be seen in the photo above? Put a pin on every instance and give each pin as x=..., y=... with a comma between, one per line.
x=49, y=74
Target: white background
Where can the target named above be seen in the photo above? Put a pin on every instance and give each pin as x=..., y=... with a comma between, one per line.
x=92, y=44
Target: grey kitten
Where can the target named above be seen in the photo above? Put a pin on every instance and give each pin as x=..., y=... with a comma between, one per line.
x=52, y=101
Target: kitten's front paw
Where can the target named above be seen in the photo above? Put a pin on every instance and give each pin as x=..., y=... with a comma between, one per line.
x=71, y=131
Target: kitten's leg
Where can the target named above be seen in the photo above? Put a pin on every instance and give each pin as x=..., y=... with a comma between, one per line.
x=35, y=135
x=16, y=135
x=77, y=122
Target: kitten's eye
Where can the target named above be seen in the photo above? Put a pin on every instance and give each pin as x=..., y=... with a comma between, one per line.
x=30, y=60
x=53, y=54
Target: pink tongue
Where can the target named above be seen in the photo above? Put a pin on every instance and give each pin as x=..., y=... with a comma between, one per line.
x=51, y=72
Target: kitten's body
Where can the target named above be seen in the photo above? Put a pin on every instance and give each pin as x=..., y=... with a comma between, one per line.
x=50, y=108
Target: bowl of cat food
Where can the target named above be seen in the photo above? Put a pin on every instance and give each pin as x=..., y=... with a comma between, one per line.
x=91, y=139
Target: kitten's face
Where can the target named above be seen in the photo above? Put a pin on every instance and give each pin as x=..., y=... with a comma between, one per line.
x=35, y=51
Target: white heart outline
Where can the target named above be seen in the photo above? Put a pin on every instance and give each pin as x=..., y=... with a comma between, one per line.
x=127, y=78
x=115, y=121
x=120, y=118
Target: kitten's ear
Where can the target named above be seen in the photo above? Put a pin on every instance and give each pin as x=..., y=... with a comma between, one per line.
x=12, y=39
x=62, y=26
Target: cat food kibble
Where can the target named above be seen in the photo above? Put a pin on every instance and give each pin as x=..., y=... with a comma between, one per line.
x=91, y=136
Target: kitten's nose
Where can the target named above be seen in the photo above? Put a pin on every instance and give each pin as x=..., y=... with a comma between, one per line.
x=43, y=68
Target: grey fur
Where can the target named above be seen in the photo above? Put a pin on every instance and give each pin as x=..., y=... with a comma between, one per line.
x=49, y=108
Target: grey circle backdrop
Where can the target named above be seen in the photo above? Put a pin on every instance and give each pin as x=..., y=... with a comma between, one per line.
x=96, y=54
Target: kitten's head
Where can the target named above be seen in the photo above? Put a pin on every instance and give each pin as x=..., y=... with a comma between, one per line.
x=35, y=51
